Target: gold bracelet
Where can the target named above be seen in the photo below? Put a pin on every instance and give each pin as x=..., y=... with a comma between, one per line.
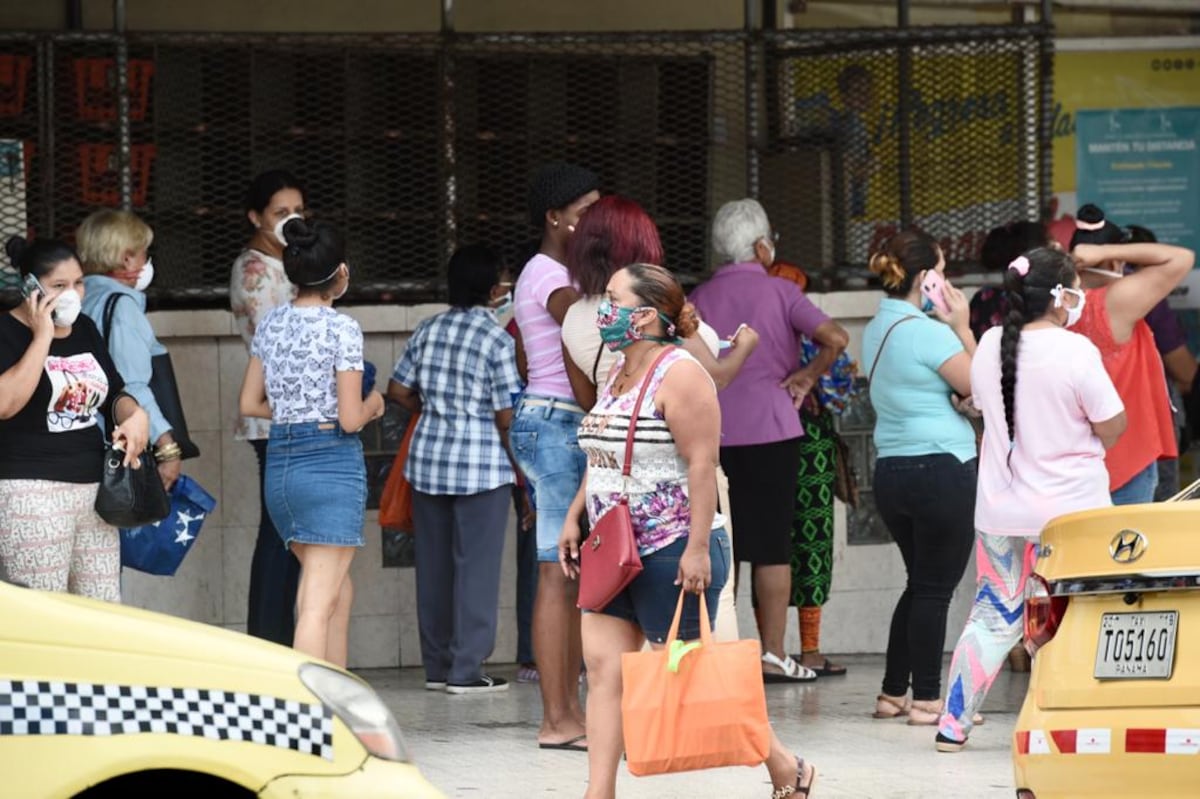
x=168, y=452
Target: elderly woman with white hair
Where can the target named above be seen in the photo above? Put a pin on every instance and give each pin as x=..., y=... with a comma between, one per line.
x=760, y=423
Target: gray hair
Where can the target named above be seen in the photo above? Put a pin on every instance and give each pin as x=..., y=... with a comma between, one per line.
x=737, y=227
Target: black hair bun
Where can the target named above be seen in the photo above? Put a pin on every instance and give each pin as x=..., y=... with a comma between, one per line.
x=299, y=233
x=1090, y=213
x=15, y=247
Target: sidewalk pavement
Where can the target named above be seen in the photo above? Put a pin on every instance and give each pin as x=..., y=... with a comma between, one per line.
x=485, y=746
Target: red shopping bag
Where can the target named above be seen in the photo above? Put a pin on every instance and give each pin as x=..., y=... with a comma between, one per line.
x=395, y=503
x=694, y=705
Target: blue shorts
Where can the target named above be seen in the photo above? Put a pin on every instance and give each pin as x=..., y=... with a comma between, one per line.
x=649, y=601
x=545, y=444
x=316, y=484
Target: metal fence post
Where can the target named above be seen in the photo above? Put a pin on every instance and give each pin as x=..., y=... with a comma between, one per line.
x=124, y=133
x=904, y=74
x=752, y=47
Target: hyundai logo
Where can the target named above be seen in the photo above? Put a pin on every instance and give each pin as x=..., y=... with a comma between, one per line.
x=1127, y=546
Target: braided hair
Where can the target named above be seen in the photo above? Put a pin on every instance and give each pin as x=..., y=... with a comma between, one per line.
x=1028, y=298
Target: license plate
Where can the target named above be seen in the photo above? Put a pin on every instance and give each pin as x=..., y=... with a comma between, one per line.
x=1134, y=646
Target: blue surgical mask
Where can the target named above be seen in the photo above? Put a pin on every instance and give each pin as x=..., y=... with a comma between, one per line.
x=926, y=305
x=503, y=310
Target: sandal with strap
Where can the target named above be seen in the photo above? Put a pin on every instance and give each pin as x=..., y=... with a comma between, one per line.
x=890, y=707
x=798, y=789
x=790, y=670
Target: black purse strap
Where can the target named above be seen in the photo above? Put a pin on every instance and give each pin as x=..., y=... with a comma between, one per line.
x=110, y=305
x=882, y=344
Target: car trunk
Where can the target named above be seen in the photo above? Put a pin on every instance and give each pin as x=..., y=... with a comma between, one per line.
x=1130, y=636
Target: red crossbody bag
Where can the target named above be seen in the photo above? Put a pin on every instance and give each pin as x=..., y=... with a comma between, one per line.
x=608, y=558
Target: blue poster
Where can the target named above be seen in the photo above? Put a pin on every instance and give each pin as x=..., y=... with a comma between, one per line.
x=1142, y=166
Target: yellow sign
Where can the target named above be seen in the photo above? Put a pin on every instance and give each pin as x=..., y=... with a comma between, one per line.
x=1116, y=79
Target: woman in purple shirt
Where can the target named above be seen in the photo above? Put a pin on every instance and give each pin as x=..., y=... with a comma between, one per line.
x=760, y=423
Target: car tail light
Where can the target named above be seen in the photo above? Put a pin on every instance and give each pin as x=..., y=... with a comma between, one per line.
x=1043, y=613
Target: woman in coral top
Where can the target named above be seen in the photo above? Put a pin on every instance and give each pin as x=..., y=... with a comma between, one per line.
x=1114, y=320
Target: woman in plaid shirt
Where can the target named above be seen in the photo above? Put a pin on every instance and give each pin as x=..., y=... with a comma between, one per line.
x=460, y=372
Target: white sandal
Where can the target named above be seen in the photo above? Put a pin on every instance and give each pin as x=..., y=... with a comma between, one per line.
x=791, y=671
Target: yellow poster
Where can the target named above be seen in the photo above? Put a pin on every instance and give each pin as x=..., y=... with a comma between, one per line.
x=1114, y=78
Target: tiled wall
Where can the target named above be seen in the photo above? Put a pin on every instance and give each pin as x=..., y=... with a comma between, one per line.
x=212, y=584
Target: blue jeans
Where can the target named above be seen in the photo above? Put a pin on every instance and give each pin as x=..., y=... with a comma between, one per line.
x=527, y=576
x=1139, y=489
x=316, y=486
x=545, y=444
x=649, y=601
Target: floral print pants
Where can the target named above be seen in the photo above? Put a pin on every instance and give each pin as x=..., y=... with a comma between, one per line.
x=51, y=539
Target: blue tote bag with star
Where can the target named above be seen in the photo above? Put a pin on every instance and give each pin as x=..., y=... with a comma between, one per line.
x=159, y=548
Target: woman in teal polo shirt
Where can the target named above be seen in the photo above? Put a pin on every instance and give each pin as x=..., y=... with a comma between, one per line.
x=925, y=469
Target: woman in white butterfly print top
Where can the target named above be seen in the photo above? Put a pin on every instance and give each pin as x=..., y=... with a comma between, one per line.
x=305, y=375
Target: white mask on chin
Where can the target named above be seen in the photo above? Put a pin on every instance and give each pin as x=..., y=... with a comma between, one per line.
x=145, y=277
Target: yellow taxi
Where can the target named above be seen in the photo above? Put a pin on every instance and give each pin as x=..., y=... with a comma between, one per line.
x=101, y=700
x=1113, y=611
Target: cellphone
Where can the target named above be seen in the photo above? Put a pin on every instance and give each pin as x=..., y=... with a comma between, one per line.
x=726, y=343
x=931, y=289
x=29, y=285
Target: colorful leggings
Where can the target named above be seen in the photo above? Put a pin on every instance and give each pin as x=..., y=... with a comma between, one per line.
x=1003, y=564
x=51, y=539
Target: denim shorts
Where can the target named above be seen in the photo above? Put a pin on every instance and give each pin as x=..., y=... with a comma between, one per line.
x=316, y=484
x=650, y=600
x=545, y=444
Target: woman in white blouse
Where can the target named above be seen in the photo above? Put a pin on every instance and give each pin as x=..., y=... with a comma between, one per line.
x=258, y=284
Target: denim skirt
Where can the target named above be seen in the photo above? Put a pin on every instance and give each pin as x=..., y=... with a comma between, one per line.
x=316, y=484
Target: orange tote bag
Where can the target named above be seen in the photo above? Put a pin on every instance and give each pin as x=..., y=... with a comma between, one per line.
x=395, y=502
x=694, y=705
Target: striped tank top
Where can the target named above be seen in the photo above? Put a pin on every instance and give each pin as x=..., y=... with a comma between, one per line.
x=658, y=482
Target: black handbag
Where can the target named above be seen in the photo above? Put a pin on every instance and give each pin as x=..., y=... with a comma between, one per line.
x=162, y=386
x=130, y=497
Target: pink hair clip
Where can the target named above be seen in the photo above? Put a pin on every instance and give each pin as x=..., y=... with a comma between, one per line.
x=1079, y=223
x=1020, y=265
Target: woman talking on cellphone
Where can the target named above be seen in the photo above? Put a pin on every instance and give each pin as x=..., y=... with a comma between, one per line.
x=56, y=382
x=925, y=468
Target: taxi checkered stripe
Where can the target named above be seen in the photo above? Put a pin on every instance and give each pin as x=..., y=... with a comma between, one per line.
x=38, y=707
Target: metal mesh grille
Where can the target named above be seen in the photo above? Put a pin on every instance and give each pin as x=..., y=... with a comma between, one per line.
x=413, y=144
x=935, y=128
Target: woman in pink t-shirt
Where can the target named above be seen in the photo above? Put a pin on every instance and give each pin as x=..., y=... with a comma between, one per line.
x=544, y=444
x=1050, y=411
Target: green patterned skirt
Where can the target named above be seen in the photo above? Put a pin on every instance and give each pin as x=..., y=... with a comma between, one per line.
x=812, y=519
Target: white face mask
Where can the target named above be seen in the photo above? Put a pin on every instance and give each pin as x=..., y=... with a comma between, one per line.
x=68, y=308
x=1073, y=314
x=279, y=228
x=145, y=277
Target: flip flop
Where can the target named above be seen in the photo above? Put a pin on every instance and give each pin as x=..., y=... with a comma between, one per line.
x=567, y=746
x=826, y=669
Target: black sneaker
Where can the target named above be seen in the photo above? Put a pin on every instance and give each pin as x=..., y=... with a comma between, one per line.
x=484, y=685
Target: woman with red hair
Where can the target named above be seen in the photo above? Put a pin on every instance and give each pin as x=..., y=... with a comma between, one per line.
x=614, y=233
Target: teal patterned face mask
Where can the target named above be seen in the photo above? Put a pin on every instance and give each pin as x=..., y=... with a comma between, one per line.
x=616, y=325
